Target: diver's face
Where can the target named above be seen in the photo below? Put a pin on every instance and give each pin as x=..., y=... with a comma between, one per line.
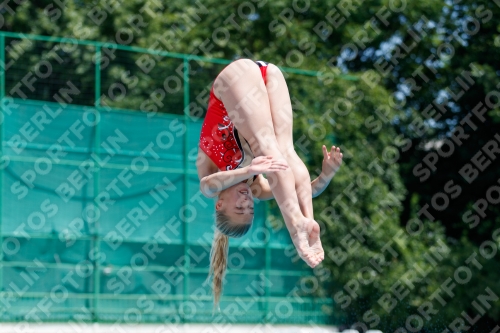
x=236, y=202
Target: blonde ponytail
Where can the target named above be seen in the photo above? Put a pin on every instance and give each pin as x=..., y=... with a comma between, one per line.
x=220, y=248
x=218, y=264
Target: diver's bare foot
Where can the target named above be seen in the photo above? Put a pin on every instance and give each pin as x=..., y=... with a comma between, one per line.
x=315, y=241
x=306, y=239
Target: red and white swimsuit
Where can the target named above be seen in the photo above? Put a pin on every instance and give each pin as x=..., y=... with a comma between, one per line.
x=219, y=138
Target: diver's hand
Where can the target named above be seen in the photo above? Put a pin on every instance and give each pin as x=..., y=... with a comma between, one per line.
x=332, y=160
x=266, y=164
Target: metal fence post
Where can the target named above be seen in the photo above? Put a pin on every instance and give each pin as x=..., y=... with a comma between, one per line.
x=2, y=95
x=267, y=263
x=186, y=178
x=97, y=170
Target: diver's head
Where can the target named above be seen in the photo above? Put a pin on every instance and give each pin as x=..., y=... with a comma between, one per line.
x=234, y=210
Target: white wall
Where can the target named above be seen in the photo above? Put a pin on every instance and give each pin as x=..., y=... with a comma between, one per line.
x=188, y=328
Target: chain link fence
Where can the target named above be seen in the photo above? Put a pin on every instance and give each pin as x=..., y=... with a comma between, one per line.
x=101, y=215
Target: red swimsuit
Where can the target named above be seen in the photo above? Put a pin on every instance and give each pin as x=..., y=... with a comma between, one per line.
x=219, y=138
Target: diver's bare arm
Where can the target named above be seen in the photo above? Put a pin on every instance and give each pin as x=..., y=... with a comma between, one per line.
x=216, y=182
x=212, y=184
x=319, y=184
x=332, y=160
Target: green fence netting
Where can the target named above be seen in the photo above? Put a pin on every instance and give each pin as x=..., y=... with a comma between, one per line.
x=101, y=214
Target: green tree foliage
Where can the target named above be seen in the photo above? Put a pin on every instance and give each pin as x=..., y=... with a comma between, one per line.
x=450, y=57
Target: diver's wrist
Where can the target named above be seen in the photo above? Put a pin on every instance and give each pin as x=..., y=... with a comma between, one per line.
x=249, y=172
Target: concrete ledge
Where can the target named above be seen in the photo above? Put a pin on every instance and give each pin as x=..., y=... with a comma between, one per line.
x=156, y=328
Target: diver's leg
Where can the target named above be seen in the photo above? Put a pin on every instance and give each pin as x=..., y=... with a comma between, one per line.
x=281, y=112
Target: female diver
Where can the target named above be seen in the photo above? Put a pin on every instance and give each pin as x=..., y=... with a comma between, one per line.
x=247, y=132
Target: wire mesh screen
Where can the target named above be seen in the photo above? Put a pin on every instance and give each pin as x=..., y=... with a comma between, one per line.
x=101, y=214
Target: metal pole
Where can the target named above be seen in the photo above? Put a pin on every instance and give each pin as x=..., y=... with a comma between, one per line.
x=2, y=95
x=97, y=139
x=186, y=178
x=162, y=53
x=268, y=263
